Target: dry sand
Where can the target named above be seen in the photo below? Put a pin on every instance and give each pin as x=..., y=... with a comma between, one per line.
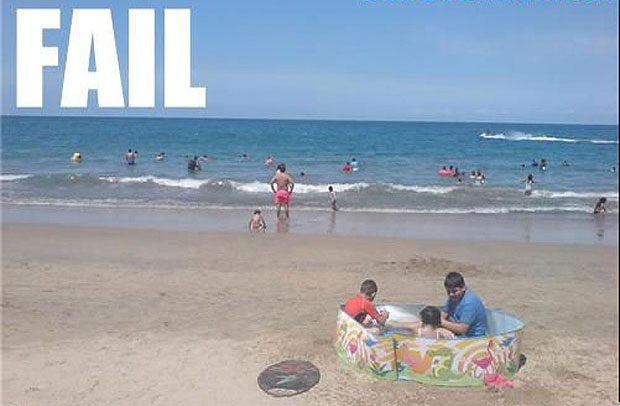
x=119, y=317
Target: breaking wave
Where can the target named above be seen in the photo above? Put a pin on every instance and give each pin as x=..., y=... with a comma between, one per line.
x=519, y=136
x=549, y=194
x=176, y=205
x=186, y=183
x=12, y=178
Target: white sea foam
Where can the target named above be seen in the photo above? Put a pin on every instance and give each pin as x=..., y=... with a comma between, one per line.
x=475, y=210
x=11, y=178
x=603, y=141
x=610, y=195
x=300, y=188
x=186, y=183
x=252, y=187
x=171, y=205
x=438, y=190
x=519, y=136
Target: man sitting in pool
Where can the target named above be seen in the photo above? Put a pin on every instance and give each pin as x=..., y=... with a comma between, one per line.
x=464, y=313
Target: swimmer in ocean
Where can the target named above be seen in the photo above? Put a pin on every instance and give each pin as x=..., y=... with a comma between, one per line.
x=600, y=206
x=528, y=184
x=130, y=157
x=193, y=165
x=76, y=157
x=331, y=196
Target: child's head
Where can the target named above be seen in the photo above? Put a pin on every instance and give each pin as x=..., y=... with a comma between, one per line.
x=431, y=316
x=369, y=289
x=256, y=211
x=603, y=200
x=331, y=189
x=282, y=168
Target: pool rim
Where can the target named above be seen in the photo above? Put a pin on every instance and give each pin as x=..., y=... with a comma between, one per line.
x=456, y=338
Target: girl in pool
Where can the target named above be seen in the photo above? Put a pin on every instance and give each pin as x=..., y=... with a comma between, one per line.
x=430, y=324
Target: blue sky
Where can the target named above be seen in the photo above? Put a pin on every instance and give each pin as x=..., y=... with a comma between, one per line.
x=525, y=61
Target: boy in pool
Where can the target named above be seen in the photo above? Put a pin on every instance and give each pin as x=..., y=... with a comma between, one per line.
x=360, y=306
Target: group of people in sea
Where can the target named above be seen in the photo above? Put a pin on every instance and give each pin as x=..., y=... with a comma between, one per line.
x=463, y=314
x=282, y=184
x=350, y=166
x=542, y=164
x=476, y=176
x=193, y=161
x=131, y=156
x=449, y=172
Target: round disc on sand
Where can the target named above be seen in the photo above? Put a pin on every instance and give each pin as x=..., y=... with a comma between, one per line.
x=288, y=378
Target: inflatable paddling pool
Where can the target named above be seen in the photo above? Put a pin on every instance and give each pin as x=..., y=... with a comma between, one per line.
x=398, y=356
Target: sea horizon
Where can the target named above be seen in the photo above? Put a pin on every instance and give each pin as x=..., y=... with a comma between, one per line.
x=371, y=120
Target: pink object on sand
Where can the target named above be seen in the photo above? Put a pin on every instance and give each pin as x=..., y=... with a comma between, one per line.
x=498, y=381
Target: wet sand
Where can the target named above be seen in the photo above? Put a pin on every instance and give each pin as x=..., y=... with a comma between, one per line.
x=111, y=316
x=563, y=228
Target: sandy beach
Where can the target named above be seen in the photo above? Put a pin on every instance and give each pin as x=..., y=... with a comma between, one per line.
x=102, y=316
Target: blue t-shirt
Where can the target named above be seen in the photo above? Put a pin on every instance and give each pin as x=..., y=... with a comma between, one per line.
x=469, y=310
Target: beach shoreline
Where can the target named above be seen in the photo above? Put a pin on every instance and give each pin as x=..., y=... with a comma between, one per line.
x=102, y=315
x=555, y=228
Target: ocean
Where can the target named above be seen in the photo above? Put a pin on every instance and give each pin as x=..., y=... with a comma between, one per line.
x=398, y=164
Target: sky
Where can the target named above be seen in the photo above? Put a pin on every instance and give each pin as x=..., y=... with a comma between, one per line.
x=445, y=60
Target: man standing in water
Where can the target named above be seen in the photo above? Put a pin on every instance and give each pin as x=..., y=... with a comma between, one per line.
x=282, y=186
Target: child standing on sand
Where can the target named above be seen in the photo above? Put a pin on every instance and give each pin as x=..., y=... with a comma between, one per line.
x=257, y=222
x=332, y=198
